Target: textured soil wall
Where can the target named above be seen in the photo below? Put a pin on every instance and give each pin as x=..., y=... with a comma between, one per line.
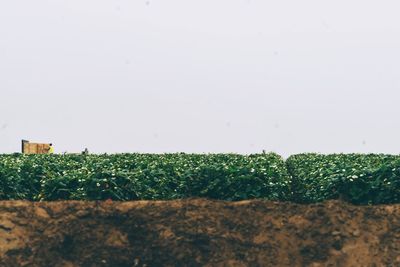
x=198, y=233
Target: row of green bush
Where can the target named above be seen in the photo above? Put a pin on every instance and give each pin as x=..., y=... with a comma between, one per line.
x=303, y=178
x=357, y=178
x=143, y=176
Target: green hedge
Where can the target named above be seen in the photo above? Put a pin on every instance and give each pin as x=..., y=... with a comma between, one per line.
x=357, y=178
x=143, y=176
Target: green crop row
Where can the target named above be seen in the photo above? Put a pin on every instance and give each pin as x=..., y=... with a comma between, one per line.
x=143, y=176
x=357, y=178
x=303, y=178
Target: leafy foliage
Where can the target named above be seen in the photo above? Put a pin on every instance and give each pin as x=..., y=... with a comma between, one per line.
x=143, y=176
x=357, y=178
x=303, y=178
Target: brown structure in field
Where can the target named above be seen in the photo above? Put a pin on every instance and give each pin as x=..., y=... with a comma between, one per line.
x=34, y=148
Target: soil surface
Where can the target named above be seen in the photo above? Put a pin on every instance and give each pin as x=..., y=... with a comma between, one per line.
x=198, y=232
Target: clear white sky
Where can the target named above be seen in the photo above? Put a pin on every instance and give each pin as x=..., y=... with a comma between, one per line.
x=201, y=76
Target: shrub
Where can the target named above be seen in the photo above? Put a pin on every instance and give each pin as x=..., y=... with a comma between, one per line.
x=357, y=178
x=143, y=176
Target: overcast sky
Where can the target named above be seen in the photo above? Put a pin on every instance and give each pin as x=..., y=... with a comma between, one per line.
x=201, y=76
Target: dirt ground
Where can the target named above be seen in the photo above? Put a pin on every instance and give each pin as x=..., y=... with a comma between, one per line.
x=197, y=233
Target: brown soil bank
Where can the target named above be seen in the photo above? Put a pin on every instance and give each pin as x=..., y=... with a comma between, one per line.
x=198, y=233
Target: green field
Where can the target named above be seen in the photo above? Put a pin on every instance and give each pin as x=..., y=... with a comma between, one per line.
x=303, y=178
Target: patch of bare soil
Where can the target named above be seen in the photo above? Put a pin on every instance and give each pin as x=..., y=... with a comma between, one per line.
x=198, y=232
